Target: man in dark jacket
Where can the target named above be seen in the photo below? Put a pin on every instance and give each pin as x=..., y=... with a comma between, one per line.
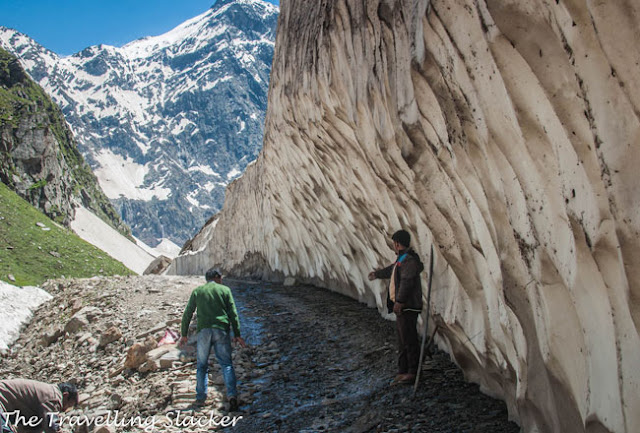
x=405, y=300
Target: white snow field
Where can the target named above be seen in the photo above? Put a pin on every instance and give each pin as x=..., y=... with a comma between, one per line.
x=18, y=303
x=95, y=231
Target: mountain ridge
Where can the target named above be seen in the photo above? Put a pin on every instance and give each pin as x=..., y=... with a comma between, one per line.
x=166, y=121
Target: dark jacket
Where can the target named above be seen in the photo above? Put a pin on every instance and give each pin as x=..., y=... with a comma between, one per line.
x=408, y=283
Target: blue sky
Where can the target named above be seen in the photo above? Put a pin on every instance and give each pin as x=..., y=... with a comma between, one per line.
x=68, y=26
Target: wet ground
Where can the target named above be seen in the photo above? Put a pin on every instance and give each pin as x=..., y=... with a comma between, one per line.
x=330, y=368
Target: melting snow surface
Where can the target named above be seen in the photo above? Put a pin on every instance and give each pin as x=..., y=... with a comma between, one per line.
x=18, y=304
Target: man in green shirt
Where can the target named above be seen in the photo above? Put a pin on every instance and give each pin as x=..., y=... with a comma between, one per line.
x=216, y=313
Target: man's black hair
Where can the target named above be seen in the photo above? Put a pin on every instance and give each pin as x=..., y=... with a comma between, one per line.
x=402, y=237
x=211, y=274
x=71, y=389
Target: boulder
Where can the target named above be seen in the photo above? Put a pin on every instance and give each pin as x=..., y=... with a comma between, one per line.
x=81, y=319
x=51, y=335
x=168, y=359
x=137, y=354
x=158, y=352
x=110, y=335
x=149, y=365
x=158, y=265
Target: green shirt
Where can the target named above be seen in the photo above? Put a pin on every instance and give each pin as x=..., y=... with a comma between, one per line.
x=215, y=308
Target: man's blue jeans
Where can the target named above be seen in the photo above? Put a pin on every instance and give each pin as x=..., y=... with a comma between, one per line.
x=221, y=341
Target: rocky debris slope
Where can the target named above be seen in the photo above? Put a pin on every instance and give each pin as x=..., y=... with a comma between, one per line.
x=504, y=133
x=166, y=121
x=113, y=338
x=38, y=153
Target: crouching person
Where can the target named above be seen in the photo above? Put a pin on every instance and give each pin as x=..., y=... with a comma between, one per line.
x=216, y=311
x=29, y=406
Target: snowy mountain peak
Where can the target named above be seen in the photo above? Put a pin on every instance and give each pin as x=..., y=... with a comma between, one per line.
x=166, y=121
x=256, y=4
x=147, y=46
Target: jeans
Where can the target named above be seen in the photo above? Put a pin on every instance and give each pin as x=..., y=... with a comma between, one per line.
x=221, y=341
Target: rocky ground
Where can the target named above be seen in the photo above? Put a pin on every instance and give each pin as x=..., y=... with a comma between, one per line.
x=316, y=361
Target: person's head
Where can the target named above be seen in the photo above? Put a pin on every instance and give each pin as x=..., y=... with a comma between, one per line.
x=401, y=240
x=213, y=275
x=69, y=395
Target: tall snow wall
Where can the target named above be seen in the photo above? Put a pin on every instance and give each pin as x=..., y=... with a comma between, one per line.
x=503, y=132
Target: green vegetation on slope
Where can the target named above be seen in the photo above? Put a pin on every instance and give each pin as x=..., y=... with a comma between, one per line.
x=33, y=254
x=20, y=97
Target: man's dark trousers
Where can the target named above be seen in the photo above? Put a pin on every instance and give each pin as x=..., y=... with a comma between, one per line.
x=408, y=346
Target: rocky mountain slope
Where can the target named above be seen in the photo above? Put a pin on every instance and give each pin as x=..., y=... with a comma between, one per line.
x=166, y=121
x=38, y=154
x=504, y=133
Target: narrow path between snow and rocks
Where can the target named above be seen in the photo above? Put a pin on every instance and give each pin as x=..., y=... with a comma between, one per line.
x=336, y=360
x=317, y=361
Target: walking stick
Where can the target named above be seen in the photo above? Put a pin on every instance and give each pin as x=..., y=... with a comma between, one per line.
x=426, y=324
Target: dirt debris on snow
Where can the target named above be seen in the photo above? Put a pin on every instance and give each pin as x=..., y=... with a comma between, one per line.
x=316, y=361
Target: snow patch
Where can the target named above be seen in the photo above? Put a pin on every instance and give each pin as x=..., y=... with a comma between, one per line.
x=124, y=177
x=95, y=231
x=214, y=83
x=204, y=169
x=233, y=174
x=18, y=304
x=180, y=127
x=146, y=46
x=191, y=198
x=168, y=248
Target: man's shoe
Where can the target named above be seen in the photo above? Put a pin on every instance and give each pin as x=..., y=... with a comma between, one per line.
x=198, y=403
x=233, y=404
x=408, y=378
x=396, y=379
x=404, y=379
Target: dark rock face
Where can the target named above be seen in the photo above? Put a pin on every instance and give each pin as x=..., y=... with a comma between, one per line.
x=186, y=109
x=39, y=157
